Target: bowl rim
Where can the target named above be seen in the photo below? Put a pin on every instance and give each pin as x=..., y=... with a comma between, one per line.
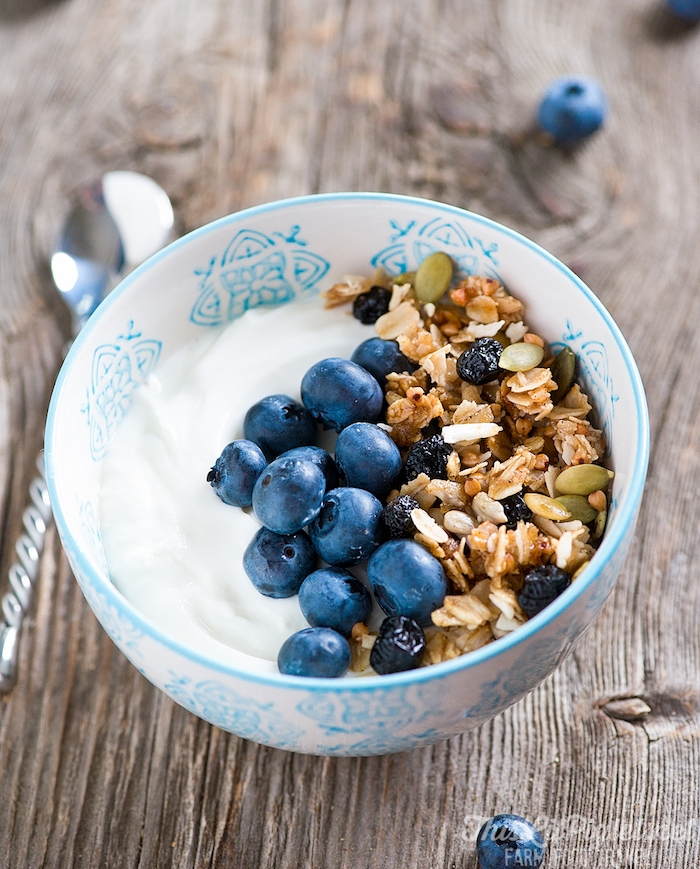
x=611, y=540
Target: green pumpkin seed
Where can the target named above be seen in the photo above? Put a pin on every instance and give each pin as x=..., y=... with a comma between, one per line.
x=563, y=369
x=433, y=277
x=405, y=278
x=600, y=524
x=521, y=356
x=583, y=479
x=579, y=507
x=546, y=507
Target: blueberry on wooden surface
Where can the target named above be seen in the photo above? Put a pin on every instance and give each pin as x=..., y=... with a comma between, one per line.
x=506, y=841
x=572, y=108
x=689, y=10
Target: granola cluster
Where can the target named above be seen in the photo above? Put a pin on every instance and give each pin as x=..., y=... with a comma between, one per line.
x=512, y=436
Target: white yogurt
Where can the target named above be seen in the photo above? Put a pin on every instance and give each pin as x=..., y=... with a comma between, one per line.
x=173, y=548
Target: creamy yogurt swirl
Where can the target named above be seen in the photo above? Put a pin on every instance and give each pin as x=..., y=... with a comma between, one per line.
x=172, y=547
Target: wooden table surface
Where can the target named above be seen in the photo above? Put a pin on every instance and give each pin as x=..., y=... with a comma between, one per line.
x=229, y=103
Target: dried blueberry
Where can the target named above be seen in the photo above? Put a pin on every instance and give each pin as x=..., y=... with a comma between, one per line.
x=399, y=646
x=396, y=517
x=369, y=307
x=516, y=509
x=479, y=364
x=542, y=585
x=428, y=456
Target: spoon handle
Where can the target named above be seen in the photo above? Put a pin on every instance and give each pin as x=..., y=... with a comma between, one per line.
x=22, y=575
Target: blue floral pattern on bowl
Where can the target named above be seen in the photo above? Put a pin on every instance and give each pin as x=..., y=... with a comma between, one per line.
x=256, y=269
x=117, y=369
x=411, y=242
x=217, y=702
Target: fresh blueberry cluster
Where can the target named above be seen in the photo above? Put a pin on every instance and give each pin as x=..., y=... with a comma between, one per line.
x=313, y=506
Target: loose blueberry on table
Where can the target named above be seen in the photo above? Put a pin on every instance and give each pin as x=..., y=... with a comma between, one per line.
x=506, y=841
x=689, y=10
x=572, y=108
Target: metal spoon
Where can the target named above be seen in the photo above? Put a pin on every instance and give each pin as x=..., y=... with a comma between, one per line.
x=114, y=225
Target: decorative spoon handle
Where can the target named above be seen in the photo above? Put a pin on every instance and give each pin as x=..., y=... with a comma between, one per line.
x=22, y=575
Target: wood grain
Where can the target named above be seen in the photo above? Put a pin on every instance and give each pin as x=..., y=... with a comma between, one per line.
x=230, y=103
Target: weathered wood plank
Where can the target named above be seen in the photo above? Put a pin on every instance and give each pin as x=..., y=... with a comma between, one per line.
x=228, y=104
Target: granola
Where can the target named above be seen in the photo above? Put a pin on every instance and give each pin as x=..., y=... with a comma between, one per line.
x=510, y=437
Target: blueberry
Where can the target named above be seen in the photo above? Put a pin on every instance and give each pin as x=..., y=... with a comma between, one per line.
x=542, y=585
x=333, y=598
x=367, y=458
x=370, y=306
x=479, y=363
x=396, y=517
x=687, y=9
x=277, y=564
x=288, y=494
x=428, y=456
x=277, y=423
x=339, y=392
x=516, y=510
x=380, y=358
x=572, y=108
x=407, y=580
x=347, y=530
x=318, y=652
x=319, y=457
x=509, y=840
x=399, y=646
x=235, y=472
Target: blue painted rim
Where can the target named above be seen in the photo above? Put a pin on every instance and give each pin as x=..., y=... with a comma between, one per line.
x=612, y=539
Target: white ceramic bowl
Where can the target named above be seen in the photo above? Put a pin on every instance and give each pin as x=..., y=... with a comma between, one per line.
x=271, y=254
